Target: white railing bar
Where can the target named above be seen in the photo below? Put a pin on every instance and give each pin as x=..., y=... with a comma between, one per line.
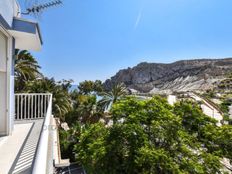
x=46, y=98
x=31, y=106
x=21, y=108
x=42, y=107
x=32, y=94
x=41, y=158
x=28, y=99
x=36, y=108
x=25, y=104
x=17, y=114
x=39, y=106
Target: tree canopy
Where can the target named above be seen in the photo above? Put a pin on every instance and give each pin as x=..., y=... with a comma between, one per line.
x=154, y=137
x=26, y=69
x=146, y=136
x=88, y=86
x=62, y=103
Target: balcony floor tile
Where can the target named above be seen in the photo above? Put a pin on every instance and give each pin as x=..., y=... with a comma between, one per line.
x=11, y=146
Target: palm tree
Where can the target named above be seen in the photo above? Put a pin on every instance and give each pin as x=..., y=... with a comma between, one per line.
x=26, y=69
x=108, y=98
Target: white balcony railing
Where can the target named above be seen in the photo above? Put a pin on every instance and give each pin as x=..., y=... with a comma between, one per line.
x=31, y=106
x=38, y=106
x=43, y=163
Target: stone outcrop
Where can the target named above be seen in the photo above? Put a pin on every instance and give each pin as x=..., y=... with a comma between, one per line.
x=182, y=75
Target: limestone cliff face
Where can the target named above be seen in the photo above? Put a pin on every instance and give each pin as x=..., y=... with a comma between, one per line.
x=178, y=76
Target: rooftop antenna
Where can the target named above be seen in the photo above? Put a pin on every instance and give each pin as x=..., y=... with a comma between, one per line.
x=38, y=8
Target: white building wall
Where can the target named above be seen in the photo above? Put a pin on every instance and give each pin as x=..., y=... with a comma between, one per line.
x=8, y=9
x=11, y=92
x=10, y=87
x=3, y=84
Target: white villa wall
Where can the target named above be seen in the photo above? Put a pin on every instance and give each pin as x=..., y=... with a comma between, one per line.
x=3, y=84
x=8, y=9
x=12, y=100
x=10, y=86
x=23, y=34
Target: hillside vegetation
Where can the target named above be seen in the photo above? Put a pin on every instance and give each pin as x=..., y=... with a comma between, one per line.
x=117, y=134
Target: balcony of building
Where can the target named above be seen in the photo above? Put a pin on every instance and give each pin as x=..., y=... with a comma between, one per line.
x=33, y=145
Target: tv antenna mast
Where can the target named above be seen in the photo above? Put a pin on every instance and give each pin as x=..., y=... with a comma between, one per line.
x=36, y=8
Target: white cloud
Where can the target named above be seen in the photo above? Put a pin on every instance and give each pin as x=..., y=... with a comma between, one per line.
x=138, y=19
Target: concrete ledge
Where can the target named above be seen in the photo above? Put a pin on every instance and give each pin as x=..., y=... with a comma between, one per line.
x=59, y=162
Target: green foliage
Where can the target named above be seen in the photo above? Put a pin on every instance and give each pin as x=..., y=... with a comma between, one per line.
x=91, y=147
x=61, y=103
x=146, y=136
x=68, y=139
x=224, y=106
x=152, y=160
x=110, y=97
x=209, y=94
x=192, y=117
x=85, y=110
x=154, y=137
x=26, y=69
x=88, y=109
x=77, y=108
x=224, y=140
x=29, y=79
x=88, y=86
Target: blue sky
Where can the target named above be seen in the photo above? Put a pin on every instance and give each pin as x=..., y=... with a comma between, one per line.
x=93, y=39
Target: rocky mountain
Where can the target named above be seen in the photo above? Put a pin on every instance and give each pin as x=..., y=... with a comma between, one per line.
x=184, y=75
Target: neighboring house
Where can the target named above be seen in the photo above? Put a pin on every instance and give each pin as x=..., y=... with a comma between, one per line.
x=29, y=140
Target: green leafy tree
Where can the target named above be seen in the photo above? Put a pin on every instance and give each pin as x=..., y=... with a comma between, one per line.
x=68, y=139
x=92, y=140
x=154, y=137
x=223, y=139
x=192, y=116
